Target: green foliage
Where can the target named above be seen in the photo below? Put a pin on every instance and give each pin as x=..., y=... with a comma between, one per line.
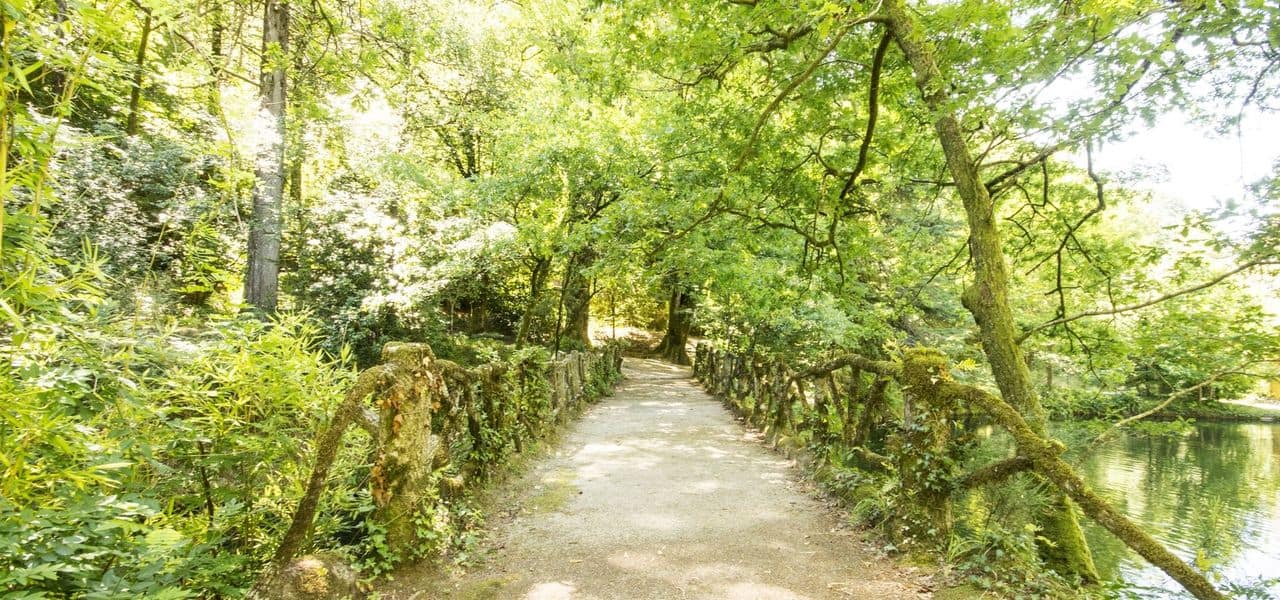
x=493, y=169
x=203, y=271
x=357, y=265
x=1004, y=562
x=139, y=201
x=872, y=498
x=157, y=466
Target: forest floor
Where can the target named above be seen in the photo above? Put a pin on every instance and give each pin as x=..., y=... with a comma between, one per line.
x=658, y=492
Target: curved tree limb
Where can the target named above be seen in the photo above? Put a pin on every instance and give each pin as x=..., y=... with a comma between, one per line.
x=350, y=411
x=873, y=111
x=1045, y=457
x=995, y=472
x=995, y=183
x=879, y=367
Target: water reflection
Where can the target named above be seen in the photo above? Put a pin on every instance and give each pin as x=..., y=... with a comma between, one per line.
x=1213, y=493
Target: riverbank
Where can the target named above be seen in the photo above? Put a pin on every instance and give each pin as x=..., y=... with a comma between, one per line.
x=1232, y=410
x=1243, y=410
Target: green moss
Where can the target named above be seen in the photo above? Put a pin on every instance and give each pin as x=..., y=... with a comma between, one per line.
x=926, y=463
x=1063, y=546
x=485, y=589
x=556, y=491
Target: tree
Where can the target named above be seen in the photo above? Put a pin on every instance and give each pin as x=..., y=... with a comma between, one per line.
x=139, y=65
x=680, y=306
x=262, y=277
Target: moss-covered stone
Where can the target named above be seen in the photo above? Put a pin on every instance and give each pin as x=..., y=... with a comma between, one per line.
x=926, y=466
x=313, y=577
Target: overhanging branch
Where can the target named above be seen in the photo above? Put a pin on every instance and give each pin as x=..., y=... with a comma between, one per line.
x=1268, y=260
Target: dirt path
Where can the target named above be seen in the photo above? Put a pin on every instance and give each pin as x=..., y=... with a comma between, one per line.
x=658, y=493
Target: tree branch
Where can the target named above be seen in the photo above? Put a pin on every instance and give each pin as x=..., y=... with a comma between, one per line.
x=1115, y=428
x=873, y=110
x=786, y=91
x=995, y=472
x=879, y=367
x=781, y=39
x=1268, y=260
x=993, y=184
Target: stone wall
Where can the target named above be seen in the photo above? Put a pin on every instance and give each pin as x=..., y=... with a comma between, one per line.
x=438, y=429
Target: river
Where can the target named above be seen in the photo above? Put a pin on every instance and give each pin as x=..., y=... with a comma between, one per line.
x=1213, y=493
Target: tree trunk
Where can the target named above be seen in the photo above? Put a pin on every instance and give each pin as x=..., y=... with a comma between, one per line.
x=987, y=298
x=679, y=322
x=53, y=74
x=139, y=63
x=262, y=280
x=578, y=323
x=216, y=16
x=6, y=58
x=478, y=317
x=537, y=282
x=215, y=38
x=295, y=177
x=577, y=298
x=870, y=414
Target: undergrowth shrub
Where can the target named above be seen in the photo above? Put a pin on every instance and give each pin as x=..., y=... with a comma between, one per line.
x=138, y=463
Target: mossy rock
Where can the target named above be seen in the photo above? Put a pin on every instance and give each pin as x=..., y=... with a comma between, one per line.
x=315, y=577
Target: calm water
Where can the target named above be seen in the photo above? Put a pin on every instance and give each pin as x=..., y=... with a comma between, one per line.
x=1213, y=492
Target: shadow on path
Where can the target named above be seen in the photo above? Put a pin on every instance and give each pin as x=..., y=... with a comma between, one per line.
x=658, y=493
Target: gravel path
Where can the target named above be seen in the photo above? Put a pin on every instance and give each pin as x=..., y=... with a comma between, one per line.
x=659, y=493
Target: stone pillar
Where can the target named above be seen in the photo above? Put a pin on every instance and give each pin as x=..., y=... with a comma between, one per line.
x=411, y=451
x=925, y=462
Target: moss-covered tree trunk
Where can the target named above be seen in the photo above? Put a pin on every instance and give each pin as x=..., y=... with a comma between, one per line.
x=139, y=68
x=987, y=297
x=872, y=407
x=577, y=298
x=478, y=313
x=679, y=322
x=537, y=282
